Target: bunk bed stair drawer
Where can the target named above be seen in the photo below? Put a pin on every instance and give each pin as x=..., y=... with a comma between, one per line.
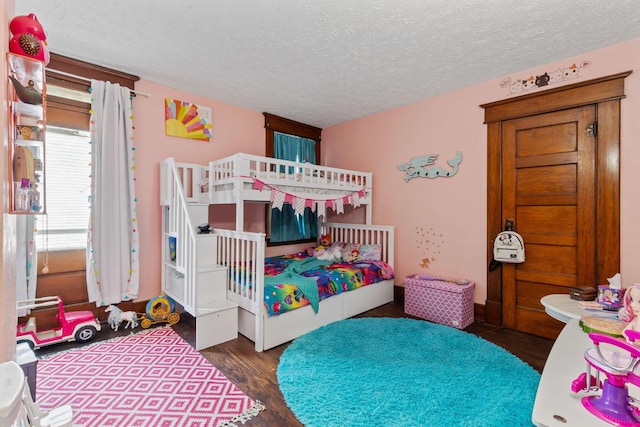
x=216, y=322
x=175, y=284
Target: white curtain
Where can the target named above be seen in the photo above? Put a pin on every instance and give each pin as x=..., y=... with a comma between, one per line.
x=113, y=241
x=26, y=259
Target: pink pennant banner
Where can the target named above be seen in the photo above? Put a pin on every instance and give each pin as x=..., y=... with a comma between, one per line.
x=299, y=204
x=278, y=199
x=311, y=204
x=355, y=199
x=322, y=211
x=258, y=185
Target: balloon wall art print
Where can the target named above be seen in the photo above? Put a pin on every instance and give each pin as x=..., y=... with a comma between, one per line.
x=187, y=120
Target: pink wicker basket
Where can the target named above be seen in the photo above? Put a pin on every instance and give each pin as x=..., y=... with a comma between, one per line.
x=441, y=300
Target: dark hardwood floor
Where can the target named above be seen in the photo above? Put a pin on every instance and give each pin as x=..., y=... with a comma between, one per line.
x=255, y=373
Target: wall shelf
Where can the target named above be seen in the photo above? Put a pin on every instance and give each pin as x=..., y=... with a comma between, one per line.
x=26, y=102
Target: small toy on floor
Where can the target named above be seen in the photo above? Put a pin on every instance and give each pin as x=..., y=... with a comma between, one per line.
x=79, y=326
x=117, y=316
x=160, y=309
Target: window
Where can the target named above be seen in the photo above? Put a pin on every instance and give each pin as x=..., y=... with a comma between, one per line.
x=67, y=177
x=62, y=233
x=290, y=140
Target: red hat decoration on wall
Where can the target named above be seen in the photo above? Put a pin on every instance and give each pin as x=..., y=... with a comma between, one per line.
x=28, y=38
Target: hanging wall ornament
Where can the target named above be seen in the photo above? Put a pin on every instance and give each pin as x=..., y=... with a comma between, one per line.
x=424, y=167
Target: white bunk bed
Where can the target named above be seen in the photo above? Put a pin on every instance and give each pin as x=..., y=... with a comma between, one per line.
x=241, y=178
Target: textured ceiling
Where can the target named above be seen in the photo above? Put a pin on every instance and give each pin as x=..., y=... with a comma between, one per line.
x=324, y=62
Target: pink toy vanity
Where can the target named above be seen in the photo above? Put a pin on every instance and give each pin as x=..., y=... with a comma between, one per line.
x=556, y=404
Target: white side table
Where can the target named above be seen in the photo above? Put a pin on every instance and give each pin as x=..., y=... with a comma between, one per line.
x=561, y=307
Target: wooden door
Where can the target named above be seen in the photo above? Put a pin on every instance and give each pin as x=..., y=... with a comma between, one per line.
x=562, y=189
x=548, y=189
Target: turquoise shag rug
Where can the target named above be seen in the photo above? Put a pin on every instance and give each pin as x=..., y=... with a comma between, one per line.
x=403, y=373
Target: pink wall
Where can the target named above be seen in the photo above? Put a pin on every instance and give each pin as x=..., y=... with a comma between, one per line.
x=441, y=219
x=444, y=219
x=235, y=130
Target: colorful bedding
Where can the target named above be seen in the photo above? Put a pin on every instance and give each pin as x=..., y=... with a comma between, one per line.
x=332, y=279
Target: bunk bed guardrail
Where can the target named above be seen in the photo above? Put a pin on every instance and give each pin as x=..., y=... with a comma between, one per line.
x=190, y=177
x=363, y=234
x=243, y=167
x=243, y=254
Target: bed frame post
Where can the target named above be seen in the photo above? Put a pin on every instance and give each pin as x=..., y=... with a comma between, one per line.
x=369, y=208
x=240, y=216
x=258, y=274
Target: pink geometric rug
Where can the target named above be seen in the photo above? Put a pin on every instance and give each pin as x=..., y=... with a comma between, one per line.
x=152, y=378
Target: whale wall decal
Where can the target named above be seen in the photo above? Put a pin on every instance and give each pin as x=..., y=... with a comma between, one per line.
x=423, y=167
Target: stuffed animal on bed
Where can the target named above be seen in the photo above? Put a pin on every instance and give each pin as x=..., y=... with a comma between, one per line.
x=332, y=254
x=325, y=240
x=325, y=243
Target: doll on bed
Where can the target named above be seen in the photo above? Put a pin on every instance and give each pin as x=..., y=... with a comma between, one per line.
x=630, y=312
x=351, y=255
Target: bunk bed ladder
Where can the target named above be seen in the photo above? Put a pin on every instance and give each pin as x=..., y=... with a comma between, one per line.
x=177, y=223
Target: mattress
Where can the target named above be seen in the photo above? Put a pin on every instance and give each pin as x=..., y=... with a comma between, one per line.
x=331, y=279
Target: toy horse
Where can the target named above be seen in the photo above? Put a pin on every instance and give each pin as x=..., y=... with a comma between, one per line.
x=621, y=367
x=117, y=316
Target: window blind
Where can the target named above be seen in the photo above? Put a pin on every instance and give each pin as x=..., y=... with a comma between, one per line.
x=67, y=169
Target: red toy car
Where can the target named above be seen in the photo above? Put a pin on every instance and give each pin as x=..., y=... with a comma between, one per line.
x=80, y=326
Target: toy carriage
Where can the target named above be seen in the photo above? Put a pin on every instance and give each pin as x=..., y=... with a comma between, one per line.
x=161, y=309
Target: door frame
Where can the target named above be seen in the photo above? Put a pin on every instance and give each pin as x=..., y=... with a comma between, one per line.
x=605, y=93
